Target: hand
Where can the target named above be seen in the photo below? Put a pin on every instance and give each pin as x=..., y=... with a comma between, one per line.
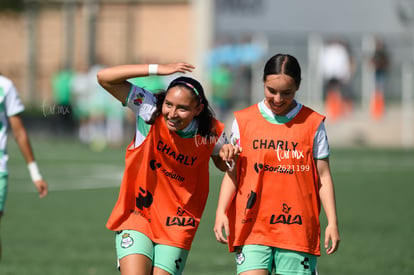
x=331, y=235
x=221, y=226
x=180, y=67
x=42, y=188
x=229, y=152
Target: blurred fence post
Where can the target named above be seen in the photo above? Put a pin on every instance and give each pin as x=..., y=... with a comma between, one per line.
x=407, y=104
x=68, y=8
x=257, y=69
x=31, y=50
x=91, y=13
x=314, y=72
x=203, y=32
x=368, y=76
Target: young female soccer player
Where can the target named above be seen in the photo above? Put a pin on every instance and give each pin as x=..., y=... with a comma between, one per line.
x=11, y=108
x=166, y=178
x=269, y=204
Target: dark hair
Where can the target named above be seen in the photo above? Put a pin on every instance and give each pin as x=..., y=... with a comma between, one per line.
x=283, y=64
x=206, y=116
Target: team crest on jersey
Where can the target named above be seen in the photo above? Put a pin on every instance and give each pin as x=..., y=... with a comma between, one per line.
x=139, y=98
x=127, y=241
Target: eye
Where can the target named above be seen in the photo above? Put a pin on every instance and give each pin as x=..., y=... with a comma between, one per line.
x=271, y=90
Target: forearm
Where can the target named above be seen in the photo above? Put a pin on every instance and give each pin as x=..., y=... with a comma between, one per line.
x=227, y=191
x=119, y=74
x=327, y=196
x=22, y=140
x=219, y=163
x=114, y=79
x=326, y=190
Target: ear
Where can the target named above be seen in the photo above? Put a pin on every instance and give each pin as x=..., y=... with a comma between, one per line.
x=199, y=109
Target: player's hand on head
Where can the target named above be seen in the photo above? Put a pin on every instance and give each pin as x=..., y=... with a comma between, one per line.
x=179, y=67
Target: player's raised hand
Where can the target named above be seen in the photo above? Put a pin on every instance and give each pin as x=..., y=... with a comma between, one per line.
x=180, y=67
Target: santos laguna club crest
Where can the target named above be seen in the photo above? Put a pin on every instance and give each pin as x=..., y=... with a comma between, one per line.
x=240, y=258
x=127, y=241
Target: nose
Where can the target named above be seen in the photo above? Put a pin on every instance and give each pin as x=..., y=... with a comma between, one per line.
x=277, y=98
x=172, y=112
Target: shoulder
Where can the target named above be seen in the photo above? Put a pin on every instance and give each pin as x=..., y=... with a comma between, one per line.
x=218, y=125
x=141, y=94
x=5, y=82
x=140, y=99
x=246, y=112
x=309, y=112
x=248, y=109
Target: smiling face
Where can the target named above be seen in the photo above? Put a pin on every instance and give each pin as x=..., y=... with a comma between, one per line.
x=280, y=90
x=180, y=107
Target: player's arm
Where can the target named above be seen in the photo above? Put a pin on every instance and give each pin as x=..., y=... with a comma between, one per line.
x=227, y=157
x=227, y=191
x=327, y=196
x=114, y=79
x=22, y=140
x=228, y=152
x=224, y=154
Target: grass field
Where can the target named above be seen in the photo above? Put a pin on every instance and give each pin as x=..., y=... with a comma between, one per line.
x=65, y=232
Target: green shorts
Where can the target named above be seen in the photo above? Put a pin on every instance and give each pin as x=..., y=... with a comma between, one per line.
x=169, y=258
x=286, y=262
x=3, y=190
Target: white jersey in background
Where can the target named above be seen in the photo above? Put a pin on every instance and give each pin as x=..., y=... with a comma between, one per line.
x=10, y=105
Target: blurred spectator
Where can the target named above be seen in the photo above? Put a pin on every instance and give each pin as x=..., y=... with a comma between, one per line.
x=337, y=68
x=101, y=123
x=114, y=122
x=380, y=62
x=221, y=84
x=238, y=57
x=97, y=114
x=61, y=88
x=80, y=100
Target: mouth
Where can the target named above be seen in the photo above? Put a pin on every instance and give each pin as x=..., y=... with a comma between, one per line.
x=276, y=106
x=173, y=123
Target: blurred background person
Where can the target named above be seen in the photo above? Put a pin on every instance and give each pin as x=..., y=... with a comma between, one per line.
x=101, y=122
x=114, y=122
x=221, y=79
x=337, y=68
x=62, y=93
x=11, y=107
x=380, y=62
x=98, y=110
x=80, y=99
